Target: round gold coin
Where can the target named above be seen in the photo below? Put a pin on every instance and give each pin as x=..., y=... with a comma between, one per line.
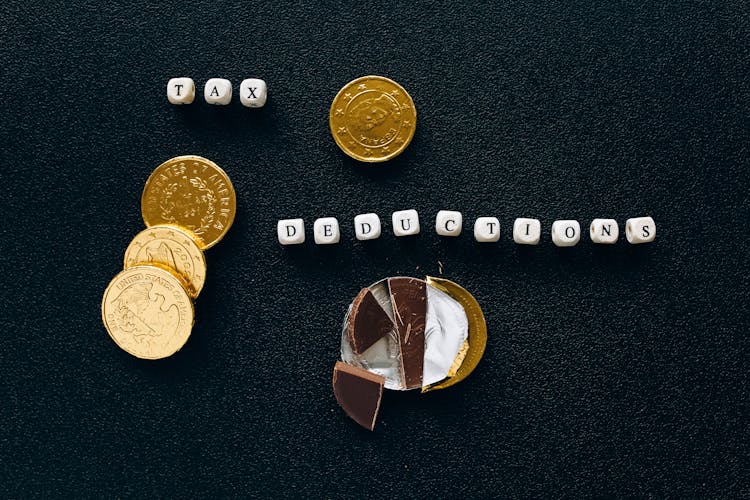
x=372, y=119
x=172, y=247
x=190, y=192
x=147, y=312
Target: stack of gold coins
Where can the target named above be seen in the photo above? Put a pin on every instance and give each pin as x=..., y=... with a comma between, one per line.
x=188, y=205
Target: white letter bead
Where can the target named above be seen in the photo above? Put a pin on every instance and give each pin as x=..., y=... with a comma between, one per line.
x=487, y=229
x=604, y=231
x=253, y=93
x=527, y=231
x=640, y=230
x=326, y=231
x=405, y=222
x=448, y=223
x=291, y=231
x=566, y=233
x=181, y=90
x=367, y=226
x=218, y=91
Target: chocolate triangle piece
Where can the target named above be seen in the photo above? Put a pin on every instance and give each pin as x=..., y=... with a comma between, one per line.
x=358, y=392
x=367, y=323
x=409, y=298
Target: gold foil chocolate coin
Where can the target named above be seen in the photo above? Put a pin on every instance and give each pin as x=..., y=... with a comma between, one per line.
x=190, y=192
x=372, y=119
x=147, y=312
x=173, y=248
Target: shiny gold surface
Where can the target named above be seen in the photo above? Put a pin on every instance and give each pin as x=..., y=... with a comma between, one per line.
x=147, y=312
x=190, y=192
x=477, y=331
x=172, y=247
x=372, y=119
x=459, y=359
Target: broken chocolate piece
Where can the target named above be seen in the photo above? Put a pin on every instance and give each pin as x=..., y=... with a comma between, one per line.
x=367, y=323
x=358, y=393
x=409, y=298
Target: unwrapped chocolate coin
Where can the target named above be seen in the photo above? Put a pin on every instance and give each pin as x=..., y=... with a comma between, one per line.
x=416, y=334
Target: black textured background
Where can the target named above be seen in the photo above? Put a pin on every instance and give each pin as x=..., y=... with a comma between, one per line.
x=610, y=371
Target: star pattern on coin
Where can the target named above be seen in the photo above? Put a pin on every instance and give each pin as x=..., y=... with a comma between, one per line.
x=390, y=130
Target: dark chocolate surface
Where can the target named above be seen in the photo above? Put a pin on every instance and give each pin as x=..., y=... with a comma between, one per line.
x=368, y=322
x=358, y=392
x=610, y=371
x=409, y=299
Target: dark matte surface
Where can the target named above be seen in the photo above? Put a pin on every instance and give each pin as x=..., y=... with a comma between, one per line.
x=615, y=371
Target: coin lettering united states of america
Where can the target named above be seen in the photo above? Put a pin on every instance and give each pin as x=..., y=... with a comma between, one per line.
x=147, y=312
x=190, y=192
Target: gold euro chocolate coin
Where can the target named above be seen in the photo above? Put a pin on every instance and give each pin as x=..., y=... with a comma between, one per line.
x=172, y=247
x=147, y=312
x=372, y=119
x=190, y=192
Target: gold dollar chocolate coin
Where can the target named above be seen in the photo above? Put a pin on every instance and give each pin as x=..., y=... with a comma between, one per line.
x=172, y=247
x=190, y=192
x=147, y=312
x=372, y=119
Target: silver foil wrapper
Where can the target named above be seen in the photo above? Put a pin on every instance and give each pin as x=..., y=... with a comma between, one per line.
x=446, y=330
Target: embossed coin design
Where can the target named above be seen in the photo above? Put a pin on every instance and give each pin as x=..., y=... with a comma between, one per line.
x=372, y=119
x=190, y=192
x=147, y=312
x=172, y=247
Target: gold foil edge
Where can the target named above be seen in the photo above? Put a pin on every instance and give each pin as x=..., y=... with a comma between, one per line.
x=477, y=340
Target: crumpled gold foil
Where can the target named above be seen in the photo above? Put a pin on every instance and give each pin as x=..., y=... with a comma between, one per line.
x=468, y=359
